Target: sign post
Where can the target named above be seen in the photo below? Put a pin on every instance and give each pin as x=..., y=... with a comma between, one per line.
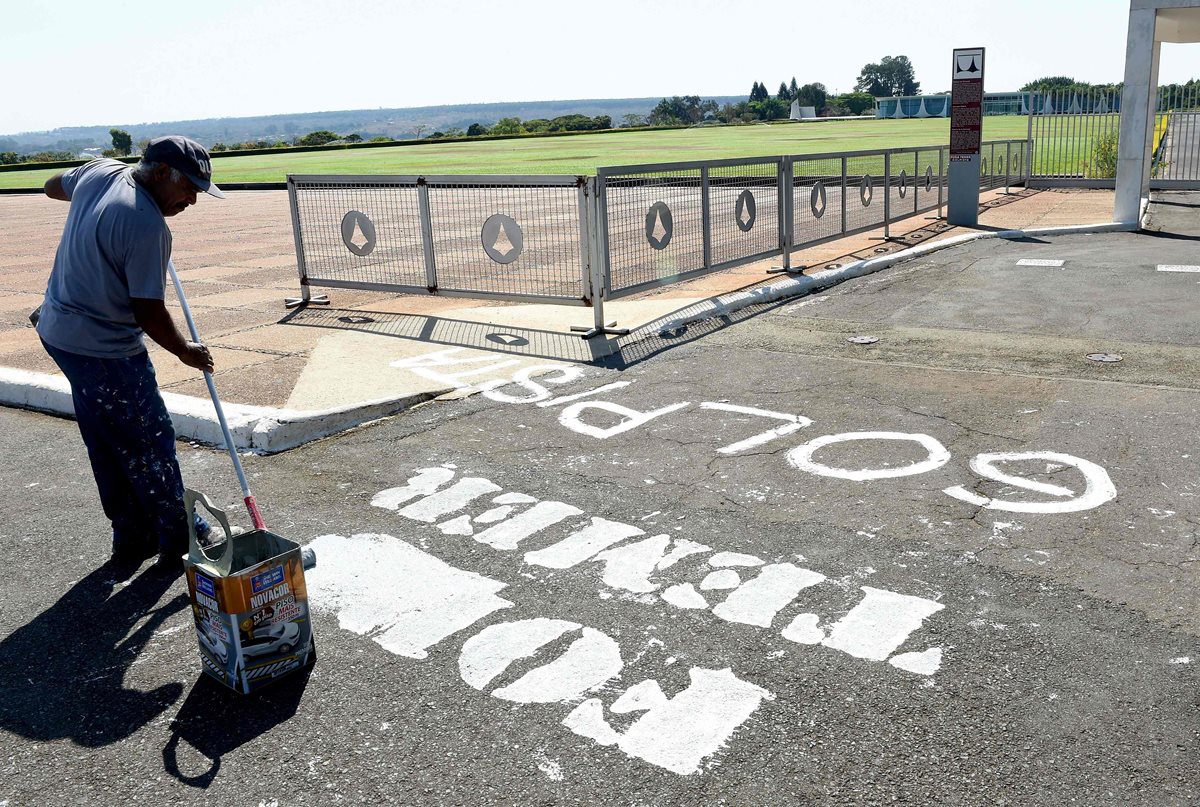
x=966, y=135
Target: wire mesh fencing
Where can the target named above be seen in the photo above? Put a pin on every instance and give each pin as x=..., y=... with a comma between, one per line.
x=520, y=238
x=580, y=240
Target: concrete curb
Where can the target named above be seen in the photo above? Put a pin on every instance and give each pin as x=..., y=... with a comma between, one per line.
x=259, y=429
x=805, y=284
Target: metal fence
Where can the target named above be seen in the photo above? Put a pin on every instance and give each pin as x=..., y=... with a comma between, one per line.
x=517, y=238
x=580, y=240
x=1074, y=136
x=659, y=224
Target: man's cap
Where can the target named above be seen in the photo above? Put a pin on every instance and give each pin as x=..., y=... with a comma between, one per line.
x=187, y=157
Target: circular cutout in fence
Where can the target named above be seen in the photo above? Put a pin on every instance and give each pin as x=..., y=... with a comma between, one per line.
x=928, y=177
x=507, y=339
x=502, y=238
x=816, y=200
x=745, y=211
x=358, y=233
x=659, y=225
x=866, y=189
x=983, y=166
x=1000, y=164
x=356, y=320
x=903, y=184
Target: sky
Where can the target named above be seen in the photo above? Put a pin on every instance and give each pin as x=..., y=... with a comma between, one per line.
x=71, y=63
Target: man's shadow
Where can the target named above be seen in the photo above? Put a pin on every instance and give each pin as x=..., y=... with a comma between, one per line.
x=63, y=673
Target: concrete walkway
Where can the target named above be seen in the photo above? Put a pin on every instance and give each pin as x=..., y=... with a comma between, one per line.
x=289, y=377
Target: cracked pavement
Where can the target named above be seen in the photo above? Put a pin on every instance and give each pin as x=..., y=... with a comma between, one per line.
x=1068, y=640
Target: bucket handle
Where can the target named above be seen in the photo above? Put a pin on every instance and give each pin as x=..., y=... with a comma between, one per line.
x=196, y=553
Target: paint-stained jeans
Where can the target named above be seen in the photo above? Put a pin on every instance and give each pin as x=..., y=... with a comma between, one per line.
x=131, y=445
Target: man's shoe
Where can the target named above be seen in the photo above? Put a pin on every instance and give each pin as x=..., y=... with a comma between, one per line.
x=129, y=553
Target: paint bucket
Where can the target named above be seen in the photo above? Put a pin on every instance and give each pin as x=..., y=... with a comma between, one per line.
x=249, y=602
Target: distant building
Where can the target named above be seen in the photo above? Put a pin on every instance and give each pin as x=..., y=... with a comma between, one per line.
x=91, y=154
x=798, y=112
x=1000, y=103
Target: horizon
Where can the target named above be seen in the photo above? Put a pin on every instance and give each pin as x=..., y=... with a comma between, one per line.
x=532, y=51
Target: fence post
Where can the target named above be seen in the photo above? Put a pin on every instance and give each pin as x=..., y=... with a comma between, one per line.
x=1007, y=165
x=426, y=233
x=845, y=211
x=786, y=215
x=305, y=297
x=706, y=217
x=887, y=195
x=941, y=179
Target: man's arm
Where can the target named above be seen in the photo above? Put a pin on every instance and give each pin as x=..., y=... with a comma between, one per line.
x=153, y=318
x=54, y=188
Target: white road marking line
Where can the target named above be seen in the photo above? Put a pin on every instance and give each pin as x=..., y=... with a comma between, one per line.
x=1038, y=262
x=1176, y=267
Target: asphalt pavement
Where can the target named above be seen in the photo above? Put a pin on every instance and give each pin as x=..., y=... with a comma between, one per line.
x=747, y=561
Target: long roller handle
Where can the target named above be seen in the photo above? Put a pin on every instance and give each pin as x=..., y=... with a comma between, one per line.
x=247, y=496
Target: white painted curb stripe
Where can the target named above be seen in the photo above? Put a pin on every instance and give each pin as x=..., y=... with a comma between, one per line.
x=261, y=429
x=1175, y=267
x=806, y=284
x=1038, y=262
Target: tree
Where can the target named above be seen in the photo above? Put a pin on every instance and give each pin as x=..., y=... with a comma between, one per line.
x=122, y=141
x=769, y=109
x=783, y=94
x=759, y=92
x=507, y=126
x=317, y=138
x=632, y=121
x=679, y=109
x=476, y=129
x=892, y=76
x=792, y=88
x=1052, y=83
x=855, y=103
x=419, y=130
x=813, y=95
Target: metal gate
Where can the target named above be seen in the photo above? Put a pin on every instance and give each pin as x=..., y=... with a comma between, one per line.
x=1074, y=137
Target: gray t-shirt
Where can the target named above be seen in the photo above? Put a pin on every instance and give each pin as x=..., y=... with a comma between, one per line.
x=115, y=246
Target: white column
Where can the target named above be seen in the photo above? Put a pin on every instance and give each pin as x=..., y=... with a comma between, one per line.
x=1137, y=100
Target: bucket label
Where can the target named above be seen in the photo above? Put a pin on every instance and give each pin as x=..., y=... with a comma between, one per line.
x=204, y=585
x=269, y=578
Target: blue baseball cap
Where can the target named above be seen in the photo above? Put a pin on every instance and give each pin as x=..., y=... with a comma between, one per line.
x=187, y=157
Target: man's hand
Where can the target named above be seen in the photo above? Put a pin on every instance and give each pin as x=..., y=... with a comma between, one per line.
x=197, y=355
x=153, y=318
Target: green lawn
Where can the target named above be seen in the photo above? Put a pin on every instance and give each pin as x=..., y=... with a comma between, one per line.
x=583, y=154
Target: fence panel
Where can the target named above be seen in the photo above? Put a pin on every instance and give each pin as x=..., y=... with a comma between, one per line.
x=519, y=238
x=817, y=196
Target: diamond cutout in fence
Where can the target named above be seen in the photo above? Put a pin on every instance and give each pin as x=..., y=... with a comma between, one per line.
x=903, y=184
x=659, y=225
x=816, y=200
x=866, y=190
x=358, y=233
x=928, y=177
x=745, y=211
x=502, y=238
